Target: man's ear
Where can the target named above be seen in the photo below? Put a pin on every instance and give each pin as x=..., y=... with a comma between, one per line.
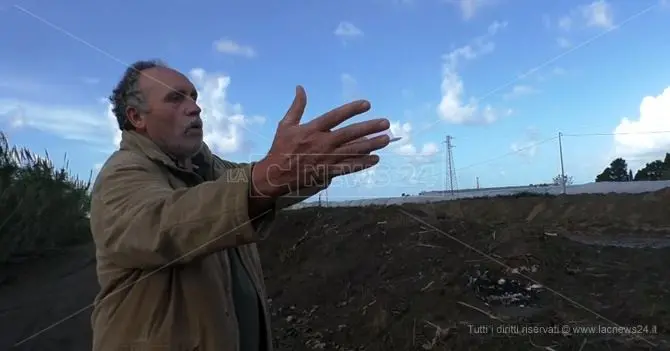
x=135, y=118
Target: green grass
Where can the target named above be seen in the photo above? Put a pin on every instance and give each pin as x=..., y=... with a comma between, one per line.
x=42, y=207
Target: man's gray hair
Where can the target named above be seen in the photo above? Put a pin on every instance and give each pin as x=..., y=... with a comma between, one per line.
x=127, y=92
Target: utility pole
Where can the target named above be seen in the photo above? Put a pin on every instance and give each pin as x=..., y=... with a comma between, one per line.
x=450, y=166
x=560, y=152
x=326, y=193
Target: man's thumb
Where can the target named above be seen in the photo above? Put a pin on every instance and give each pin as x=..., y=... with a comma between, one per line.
x=295, y=112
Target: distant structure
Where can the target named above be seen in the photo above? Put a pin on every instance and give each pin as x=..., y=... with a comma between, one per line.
x=451, y=169
x=326, y=193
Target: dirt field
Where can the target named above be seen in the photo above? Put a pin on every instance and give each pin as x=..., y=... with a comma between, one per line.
x=483, y=274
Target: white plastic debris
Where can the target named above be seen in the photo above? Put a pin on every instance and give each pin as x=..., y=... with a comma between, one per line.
x=385, y=132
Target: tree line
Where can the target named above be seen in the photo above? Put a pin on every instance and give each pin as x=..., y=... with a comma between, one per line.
x=618, y=171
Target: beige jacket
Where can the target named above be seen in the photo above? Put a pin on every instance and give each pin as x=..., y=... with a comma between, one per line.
x=160, y=233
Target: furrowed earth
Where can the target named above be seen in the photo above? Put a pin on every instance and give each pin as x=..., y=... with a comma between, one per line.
x=506, y=273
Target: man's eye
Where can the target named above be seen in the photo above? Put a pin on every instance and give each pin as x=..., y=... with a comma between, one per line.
x=176, y=97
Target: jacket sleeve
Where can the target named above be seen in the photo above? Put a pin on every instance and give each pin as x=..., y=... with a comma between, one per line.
x=139, y=221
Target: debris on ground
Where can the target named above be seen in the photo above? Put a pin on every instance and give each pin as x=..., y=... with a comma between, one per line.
x=459, y=275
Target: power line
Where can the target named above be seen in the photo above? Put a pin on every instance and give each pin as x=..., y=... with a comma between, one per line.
x=612, y=134
x=451, y=175
x=530, y=146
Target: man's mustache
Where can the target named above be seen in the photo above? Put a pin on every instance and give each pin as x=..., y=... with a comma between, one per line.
x=195, y=124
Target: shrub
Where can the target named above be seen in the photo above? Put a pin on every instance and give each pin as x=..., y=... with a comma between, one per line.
x=527, y=194
x=41, y=207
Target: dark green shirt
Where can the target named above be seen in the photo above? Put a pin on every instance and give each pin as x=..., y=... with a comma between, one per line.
x=250, y=317
x=247, y=306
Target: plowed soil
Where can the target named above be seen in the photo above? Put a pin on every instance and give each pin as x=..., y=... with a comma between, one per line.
x=480, y=274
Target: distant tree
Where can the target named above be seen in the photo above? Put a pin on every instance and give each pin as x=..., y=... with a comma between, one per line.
x=657, y=170
x=630, y=175
x=616, y=172
x=560, y=180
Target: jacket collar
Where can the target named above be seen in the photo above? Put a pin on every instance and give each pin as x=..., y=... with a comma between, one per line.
x=134, y=141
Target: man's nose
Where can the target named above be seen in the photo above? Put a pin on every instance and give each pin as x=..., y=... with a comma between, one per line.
x=192, y=108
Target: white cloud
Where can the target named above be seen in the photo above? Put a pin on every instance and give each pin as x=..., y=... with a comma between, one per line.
x=224, y=122
x=230, y=47
x=452, y=107
x=520, y=90
x=428, y=149
x=114, y=126
x=347, y=30
x=401, y=130
x=654, y=116
x=598, y=14
x=405, y=146
x=416, y=167
x=69, y=122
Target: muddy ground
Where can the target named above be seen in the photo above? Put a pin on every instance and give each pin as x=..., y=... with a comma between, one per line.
x=459, y=275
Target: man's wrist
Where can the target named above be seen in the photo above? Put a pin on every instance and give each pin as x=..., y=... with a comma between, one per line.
x=266, y=181
x=262, y=196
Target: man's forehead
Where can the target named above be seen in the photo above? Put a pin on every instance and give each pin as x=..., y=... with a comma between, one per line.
x=163, y=78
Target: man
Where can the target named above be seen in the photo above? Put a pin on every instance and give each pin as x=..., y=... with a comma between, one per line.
x=176, y=227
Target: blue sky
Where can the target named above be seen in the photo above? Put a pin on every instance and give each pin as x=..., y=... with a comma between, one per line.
x=497, y=75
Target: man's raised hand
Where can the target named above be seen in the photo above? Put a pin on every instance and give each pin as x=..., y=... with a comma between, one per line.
x=311, y=154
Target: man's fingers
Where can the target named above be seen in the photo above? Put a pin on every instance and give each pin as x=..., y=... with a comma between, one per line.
x=352, y=165
x=297, y=109
x=356, y=141
x=357, y=130
x=363, y=147
x=336, y=116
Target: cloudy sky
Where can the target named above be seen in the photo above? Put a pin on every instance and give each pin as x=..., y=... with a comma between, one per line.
x=502, y=77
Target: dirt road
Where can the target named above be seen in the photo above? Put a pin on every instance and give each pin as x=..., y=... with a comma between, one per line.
x=483, y=274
